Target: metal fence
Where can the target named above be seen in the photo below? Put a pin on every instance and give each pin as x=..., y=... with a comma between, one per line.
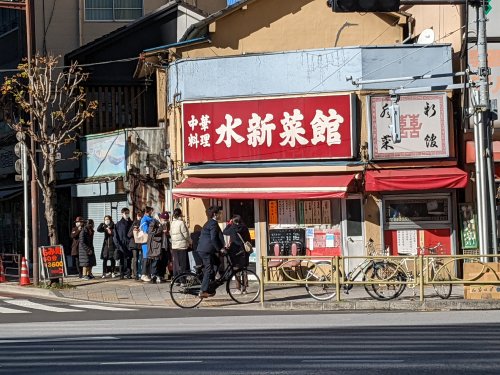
x=11, y=265
x=438, y=271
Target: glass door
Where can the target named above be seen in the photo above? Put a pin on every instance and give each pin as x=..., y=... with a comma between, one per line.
x=354, y=244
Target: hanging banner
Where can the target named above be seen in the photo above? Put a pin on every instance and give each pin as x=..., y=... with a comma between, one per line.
x=313, y=127
x=468, y=229
x=423, y=126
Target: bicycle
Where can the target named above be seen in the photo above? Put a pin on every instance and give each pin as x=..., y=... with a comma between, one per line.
x=434, y=270
x=242, y=285
x=321, y=286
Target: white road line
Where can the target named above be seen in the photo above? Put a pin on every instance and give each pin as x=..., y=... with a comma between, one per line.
x=6, y=310
x=59, y=339
x=2, y=297
x=148, y=362
x=352, y=360
x=38, y=306
x=100, y=307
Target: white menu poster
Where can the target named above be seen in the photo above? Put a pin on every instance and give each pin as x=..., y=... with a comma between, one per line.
x=407, y=242
x=326, y=212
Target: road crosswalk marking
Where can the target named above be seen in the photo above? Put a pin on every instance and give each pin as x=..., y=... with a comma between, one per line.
x=102, y=307
x=38, y=306
x=27, y=304
x=6, y=310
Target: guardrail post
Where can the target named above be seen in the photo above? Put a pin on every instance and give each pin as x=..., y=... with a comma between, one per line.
x=263, y=279
x=337, y=278
x=421, y=276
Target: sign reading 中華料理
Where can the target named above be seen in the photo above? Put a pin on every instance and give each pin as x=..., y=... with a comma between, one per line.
x=423, y=127
x=52, y=261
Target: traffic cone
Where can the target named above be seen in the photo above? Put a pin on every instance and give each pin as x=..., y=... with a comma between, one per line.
x=2, y=274
x=25, y=275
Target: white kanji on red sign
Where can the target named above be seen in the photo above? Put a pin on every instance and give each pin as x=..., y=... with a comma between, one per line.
x=326, y=128
x=226, y=132
x=260, y=130
x=193, y=140
x=193, y=123
x=205, y=140
x=205, y=122
x=292, y=129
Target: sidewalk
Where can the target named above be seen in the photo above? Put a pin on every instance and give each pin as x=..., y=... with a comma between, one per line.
x=277, y=297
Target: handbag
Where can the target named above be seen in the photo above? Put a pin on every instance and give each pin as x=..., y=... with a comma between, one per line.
x=140, y=236
x=246, y=244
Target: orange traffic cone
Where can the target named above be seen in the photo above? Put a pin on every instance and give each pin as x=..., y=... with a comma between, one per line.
x=2, y=273
x=25, y=276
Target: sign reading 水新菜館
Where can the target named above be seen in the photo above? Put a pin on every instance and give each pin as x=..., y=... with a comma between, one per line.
x=52, y=261
x=423, y=127
x=312, y=127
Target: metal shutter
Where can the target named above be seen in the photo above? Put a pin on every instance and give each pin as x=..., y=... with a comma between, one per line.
x=96, y=208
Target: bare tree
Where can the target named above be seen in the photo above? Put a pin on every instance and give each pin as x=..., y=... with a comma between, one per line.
x=58, y=108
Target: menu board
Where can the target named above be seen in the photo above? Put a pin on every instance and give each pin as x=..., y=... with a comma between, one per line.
x=286, y=212
x=407, y=242
x=285, y=238
x=273, y=212
x=468, y=227
x=52, y=261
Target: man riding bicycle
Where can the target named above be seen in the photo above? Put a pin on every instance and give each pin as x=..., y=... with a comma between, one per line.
x=210, y=243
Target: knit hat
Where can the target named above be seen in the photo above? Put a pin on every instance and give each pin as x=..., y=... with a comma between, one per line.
x=164, y=215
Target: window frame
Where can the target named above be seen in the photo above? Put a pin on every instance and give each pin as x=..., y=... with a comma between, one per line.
x=113, y=10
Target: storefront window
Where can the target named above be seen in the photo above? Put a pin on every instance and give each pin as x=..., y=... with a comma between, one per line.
x=312, y=225
x=417, y=210
x=354, y=220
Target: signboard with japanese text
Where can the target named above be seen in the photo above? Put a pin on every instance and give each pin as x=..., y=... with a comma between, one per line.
x=52, y=261
x=468, y=229
x=423, y=125
x=315, y=127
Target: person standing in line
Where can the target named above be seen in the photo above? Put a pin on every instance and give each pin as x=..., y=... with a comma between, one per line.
x=146, y=220
x=154, y=244
x=93, y=260
x=179, y=235
x=135, y=247
x=210, y=243
x=86, y=254
x=75, y=244
x=121, y=240
x=108, y=247
x=165, y=246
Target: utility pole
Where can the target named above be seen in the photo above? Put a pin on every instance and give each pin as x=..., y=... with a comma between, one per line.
x=27, y=7
x=485, y=180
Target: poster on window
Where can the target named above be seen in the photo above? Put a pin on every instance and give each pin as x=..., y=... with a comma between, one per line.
x=468, y=226
x=423, y=124
x=407, y=242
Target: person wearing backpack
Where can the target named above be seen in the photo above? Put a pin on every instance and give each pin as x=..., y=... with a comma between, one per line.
x=238, y=234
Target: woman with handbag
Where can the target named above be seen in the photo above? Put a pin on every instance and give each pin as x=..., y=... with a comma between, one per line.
x=238, y=235
x=181, y=241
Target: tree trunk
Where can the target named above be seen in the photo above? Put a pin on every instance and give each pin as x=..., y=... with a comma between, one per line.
x=50, y=214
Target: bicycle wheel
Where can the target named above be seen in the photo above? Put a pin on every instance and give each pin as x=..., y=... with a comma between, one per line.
x=384, y=271
x=442, y=290
x=184, y=290
x=243, y=286
x=319, y=281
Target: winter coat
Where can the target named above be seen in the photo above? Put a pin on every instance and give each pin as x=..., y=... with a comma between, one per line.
x=155, y=239
x=86, y=254
x=144, y=226
x=239, y=257
x=131, y=243
x=108, y=247
x=165, y=240
x=75, y=240
x=211, y=238
x=179, y=235
x=120, y=237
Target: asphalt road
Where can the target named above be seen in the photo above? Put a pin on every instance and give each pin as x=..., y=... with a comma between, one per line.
x=250, y=342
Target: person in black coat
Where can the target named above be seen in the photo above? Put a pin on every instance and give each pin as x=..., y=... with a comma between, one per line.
x=86, y=253
x=238, y=231
x=75, y=244
x=210, y=243
x=135, y=248
x=121, y=240
x=108, y=247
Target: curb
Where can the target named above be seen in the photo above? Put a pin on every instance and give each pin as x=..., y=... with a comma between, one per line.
x=459, y=305
x=27, y=290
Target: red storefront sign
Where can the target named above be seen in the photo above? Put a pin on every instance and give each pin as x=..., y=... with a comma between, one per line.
x=319, y=127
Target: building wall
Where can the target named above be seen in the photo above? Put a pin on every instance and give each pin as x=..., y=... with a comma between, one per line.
x=266, y=26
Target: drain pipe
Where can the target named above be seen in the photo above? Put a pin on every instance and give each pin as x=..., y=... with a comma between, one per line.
x=410, y=28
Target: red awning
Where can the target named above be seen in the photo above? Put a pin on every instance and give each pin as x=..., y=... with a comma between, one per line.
x=296, y=187
x=470, y=151
x=415, y=179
